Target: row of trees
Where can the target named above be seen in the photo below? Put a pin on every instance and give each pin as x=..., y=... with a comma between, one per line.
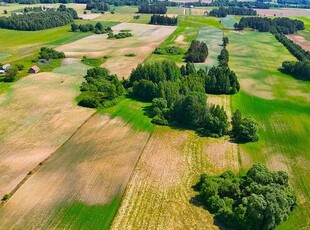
x=224, y=11
x=275, y=25
x=197, y=52
x=119, y=35
x=97, y=29
x=299, y=70
x=110, y=2
x=173, y=50
x=163, y=20
x=101, y=6
x=39, y=20
x=259, y=200
x=100, y=89
x=152, y=9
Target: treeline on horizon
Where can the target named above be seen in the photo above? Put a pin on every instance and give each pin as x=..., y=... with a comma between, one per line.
x=33, y=21
x=222, y=12
x=152, y=9
x=163, y=20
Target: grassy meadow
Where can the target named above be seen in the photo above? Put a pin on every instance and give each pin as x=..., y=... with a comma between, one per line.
x=279, y=104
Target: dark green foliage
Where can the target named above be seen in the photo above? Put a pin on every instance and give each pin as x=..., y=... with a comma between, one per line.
x=300, y=70
x=50, y=53
x=152, y=9
x=276, y=25
x=223, y=12
x=244, y=129
x=225, y=41
x=223, y=58
x=97, y=29
x=5, y=197
x=101, y=6
x=10, y=75
x=173, y=50
x=119, y=35
x=100, y=88
x=259, y=200
x=197, y=52
x=221, y=80
x=163, y=20
x=39, y=20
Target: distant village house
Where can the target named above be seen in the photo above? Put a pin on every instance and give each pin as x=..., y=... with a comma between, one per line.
x=34, y=69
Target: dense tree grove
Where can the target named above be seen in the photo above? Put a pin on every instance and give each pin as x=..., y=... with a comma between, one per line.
x=223, y=11
x=248, y=4
x=97, y=29
x=223, y=58
x=39, y=20
x=163, y=20
x=152, y=9
x=197, y=52
x=100, y=89
x=101, y=6
x=259, y=200
x=173, y=50
x=243, y=129
x=294, y=49
x=178, y=96
x=276, y=25
x=300, y=69
x=49, y=53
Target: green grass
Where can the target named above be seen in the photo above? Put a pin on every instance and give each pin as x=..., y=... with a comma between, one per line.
x=94, y=62
x=228, y=22
x=4, y=55
x=214, y=39
x=188, y=28
x=82, y=216
x=133, y=112
x=284, y=119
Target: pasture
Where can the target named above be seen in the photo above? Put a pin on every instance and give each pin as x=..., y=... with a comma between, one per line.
x=37, y=117
x=214, y=39
x=81, y=185
x=228, y=22
x=279, y=104
x=145, y=39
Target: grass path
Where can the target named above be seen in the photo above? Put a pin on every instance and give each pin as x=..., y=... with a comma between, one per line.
x=279, y=103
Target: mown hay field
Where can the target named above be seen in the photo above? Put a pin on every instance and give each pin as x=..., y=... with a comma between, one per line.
x=81, y=185
x=228, y=22
x=144, y=41
x=279, y=103
x=37, y=116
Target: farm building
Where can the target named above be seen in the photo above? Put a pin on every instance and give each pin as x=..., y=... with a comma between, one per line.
x=4, y=68
x=34, y=69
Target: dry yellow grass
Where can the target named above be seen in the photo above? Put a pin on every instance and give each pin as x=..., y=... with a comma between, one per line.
x=36, y=119
x=146, y=38
x=159, y=193
x=92, y=168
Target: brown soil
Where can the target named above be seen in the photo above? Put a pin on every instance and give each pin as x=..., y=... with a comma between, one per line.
x=299, y=40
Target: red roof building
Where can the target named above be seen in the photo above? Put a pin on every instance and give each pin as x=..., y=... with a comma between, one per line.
x=34, y=69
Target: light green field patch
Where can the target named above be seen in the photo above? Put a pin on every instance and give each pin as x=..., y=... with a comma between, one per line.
x=4, y=55
x=279, y=103
x=228, y=22
x=213, y=37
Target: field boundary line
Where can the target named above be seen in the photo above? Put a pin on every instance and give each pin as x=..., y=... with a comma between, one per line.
x=35, y=169
x=130, y=179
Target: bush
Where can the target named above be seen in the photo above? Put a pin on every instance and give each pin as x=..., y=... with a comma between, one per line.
x=197, y=52
x=244, y=129
x=5, y=197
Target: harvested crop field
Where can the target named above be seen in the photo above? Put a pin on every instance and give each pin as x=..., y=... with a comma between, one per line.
x=145, y=39
x=89, y=171
x=299, y=40
x=37, y=116
x=159, y=195
x=287, y=12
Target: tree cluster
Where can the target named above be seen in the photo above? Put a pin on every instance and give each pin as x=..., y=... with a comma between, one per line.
x=223, y=11
x=152, y=9
x=197, y=52
x=275, y=25
x=299, y=70
x=97, y=29
x=119, y=35
x=178, y=97
x=259, y=200
x=163, y=20
x=243, y=129
x=248, y=4
x=173, y=50
x=49, y=53
x=100, y=89
x=39, y=20
x=100, y=6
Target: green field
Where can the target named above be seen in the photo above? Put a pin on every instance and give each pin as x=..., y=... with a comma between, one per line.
x=228, y=22
x=213, y=38
x=279, y=103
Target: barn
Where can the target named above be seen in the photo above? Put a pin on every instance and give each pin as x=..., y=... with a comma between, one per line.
x=34, y=69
